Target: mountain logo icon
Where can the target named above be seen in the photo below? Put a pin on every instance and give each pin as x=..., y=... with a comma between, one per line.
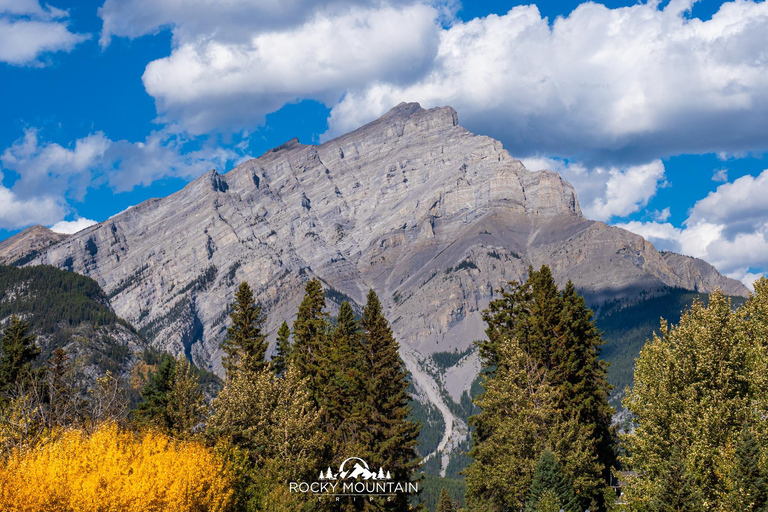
x=355, y=468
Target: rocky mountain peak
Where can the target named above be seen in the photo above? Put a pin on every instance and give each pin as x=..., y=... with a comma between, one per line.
x=431, y=216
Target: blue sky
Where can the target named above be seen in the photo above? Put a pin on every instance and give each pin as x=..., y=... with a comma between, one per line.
x=657, y=112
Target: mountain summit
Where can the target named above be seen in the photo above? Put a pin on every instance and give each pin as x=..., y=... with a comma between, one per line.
x=431, y=216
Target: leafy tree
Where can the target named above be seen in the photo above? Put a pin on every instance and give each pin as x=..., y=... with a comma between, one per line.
x=153, y=409
x=678, y=491
x=446, y=503
x=550, y=487
x=18, y=352
x=698, y=386
x=245, y=345
x=391, y=436
x=186, y=407
x=283, y=355
x=274, y=424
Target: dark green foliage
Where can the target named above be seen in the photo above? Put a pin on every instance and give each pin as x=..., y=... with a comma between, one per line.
x=310, y=333
x=679, y=492
x=750, y=492
x=245, y=347
x=548, y=481
x=390, y=436
x=464, y=265
x=431, y=488
x=432, y=427
x=54, y=299
x=458, y=460
x=445, y=360
x=283, y=354
x=445, y=504
x=153, y=409
x=557, y=330
x=17, y=351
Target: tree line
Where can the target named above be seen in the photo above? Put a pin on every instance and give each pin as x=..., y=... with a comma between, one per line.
x=542, y=440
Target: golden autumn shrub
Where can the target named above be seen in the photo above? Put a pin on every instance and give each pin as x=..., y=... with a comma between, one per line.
x=115, y=470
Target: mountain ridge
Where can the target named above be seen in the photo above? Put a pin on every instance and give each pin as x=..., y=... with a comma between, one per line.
x=431, y=216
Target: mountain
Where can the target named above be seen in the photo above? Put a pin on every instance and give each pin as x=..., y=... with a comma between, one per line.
x=70, y=311
x=431, y=216
x=24, y=246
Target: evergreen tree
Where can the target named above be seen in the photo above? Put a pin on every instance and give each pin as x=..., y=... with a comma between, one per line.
x=153, y=409
x=391, y=437
x=245, y=346
x=678, y=492
x=18, y=350
x=344, y=397
x=548, y=483
x=556, y=329
x=66, y=406
x=310, y=332
x=445, y=504
x=749, y=491
x=283, y=354
x=186, y=407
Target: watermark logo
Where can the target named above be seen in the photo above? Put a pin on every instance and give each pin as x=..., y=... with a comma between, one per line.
x=355, y=479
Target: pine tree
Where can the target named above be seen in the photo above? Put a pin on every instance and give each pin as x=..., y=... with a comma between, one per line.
x=186, y=407
x=153, y=409
x=245, y=346
x=310, y=332
x=18, y=351
x=549, y=482
x=391, y=435
x=65, y=404
x=445, y=503
x=283, y=354
x=749, y=491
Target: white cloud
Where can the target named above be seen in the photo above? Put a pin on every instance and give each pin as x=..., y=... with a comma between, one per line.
x=70, y=227
x=661, y=216
x=210, y=83
x=720, y=175
x=628, y=84
x=48, y=174
x=728, y=228
x=28, y=30
x=609, y=192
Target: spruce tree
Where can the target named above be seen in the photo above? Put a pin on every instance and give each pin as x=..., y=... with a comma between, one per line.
x=344, y=396
x=17, y=352
x=557, y=331
x=678, y=492
x=283, y=353
x=153, y=409
x=245, y=347
x=310, y=332
x=549, y=482
x=445, y=503
x=391, y=436
x=749, y=485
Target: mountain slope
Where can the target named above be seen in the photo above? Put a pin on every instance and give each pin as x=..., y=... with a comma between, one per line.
x=24, y=246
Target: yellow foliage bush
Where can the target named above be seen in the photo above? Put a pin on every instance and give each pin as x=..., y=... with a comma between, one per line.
x=115, y=470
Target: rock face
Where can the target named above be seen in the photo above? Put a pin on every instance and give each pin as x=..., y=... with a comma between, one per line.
x=24, y=246
x=429, y=215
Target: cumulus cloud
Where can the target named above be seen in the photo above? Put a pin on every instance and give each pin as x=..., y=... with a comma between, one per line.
x=720, y=175
x=28, y=30
x=607, y=192
x=211, y=83
x=48, y=175
x=728, y=228
x=627, y=84
x=70, y=227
